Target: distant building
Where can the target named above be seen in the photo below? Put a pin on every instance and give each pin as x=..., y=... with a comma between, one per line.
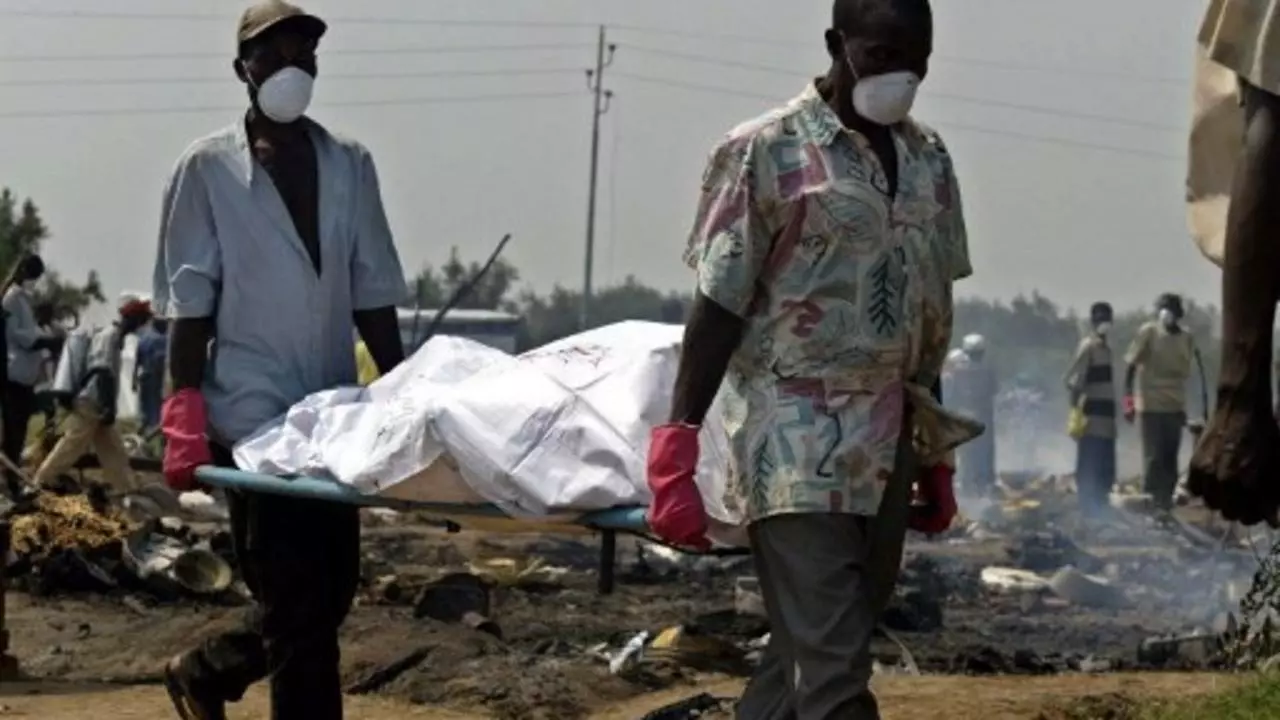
x=491, y=327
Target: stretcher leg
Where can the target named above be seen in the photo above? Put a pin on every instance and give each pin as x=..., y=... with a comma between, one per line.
x=608, y=561
x=9, y=670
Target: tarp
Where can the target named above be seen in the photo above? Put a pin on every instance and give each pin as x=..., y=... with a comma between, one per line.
x=558, y=429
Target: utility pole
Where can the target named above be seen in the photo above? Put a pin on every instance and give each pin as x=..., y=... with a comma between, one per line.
x=599, y=106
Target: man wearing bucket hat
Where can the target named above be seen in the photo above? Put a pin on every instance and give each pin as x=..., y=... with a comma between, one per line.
x=273, y=241
x=91, y=389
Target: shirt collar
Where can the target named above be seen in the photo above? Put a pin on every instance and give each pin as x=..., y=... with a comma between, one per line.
x=819, y=118
x=244, y=153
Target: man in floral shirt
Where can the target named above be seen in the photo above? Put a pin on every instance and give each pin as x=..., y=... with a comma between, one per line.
x=827, y=238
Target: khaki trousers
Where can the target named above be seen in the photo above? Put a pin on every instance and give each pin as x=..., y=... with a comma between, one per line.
x=83, y=432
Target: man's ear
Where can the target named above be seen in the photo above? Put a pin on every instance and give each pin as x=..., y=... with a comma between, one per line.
x=238, y=66
x=835, y=43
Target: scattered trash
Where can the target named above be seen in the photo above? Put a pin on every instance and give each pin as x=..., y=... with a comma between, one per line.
x=526, y=572
x=747, y=599
x=690, y=708
x=630, y=654
x=1088, y=590
x=457, y=598
x=1012, y=580
x=1195, y=650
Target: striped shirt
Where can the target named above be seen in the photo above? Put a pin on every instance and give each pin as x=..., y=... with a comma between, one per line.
x=1091, y=378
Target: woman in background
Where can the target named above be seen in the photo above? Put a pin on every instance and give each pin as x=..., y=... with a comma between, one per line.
x=26, y=342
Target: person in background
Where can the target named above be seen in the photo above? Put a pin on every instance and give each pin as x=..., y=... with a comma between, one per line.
x=1159, y=366
x=148, y=371
x=273, y=242
x=1091, y=388
x=90, y=424
x=26, y=342
x=826, y=242
x=366, y=368
x=971, y=389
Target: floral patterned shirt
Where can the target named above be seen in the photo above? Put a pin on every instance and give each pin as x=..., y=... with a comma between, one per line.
x=846, y=293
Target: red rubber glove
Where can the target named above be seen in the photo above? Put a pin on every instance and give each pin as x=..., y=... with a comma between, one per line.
x=1130, y=408
x=676, y=513
x=937, y=495
x=182, y=419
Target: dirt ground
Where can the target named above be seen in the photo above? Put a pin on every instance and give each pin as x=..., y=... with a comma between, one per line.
x=106, y=651
x=902, y=698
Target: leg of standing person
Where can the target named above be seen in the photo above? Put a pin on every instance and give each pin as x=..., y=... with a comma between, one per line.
x=113, y=458
x=301, y=560
x=1161, y=438
x=150, y=397
x=78, y=430
x=20, y=401
x=1086, y=475
x=1107, y=466
x=1148, y=427
x=820, y=608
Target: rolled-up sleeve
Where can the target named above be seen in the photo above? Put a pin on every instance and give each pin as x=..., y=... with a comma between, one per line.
x=188, y=271
x=377, y=277
x=730, y=243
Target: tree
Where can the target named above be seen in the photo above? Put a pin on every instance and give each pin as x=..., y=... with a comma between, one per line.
x=433, y=288
x=550, y=318
x=22, y=232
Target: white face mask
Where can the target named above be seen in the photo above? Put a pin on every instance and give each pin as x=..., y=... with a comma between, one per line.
x=1167, y=318
x=886, y=99
x=285, y=96
x=1103, y=328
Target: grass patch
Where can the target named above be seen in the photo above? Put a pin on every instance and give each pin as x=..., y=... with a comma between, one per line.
x=1256, y=698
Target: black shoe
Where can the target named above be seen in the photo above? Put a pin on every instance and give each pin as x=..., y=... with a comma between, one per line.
x=191, y=700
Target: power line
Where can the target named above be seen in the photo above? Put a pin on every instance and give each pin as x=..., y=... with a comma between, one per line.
x=960, y=60
x=712, y=60
x=143, y=112
x=180, y=55
x=509, y=72
x=954, y=125
x=203, y=17
x=580, y=25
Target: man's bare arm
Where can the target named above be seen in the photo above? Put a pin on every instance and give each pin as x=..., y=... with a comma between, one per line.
x=711, y=334
x=189, y=340
x=380, y=330
x=1129, y=372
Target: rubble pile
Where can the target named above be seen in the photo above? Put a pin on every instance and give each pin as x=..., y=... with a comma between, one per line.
x=60, y=523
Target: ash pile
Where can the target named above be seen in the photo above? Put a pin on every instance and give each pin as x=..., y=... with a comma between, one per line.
x=144, y=547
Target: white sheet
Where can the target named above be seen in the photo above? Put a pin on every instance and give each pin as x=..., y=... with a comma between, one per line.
x=561, y=428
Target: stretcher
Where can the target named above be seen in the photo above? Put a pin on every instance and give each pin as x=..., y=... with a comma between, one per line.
x=608, y=523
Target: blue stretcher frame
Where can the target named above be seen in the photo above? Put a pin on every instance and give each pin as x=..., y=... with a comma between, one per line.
x=627, y=520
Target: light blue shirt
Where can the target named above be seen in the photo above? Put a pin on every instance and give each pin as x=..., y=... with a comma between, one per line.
x=25, y=362
x=229, y=250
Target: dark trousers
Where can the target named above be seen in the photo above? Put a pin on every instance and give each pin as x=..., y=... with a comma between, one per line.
x=150, y=397
x=301, y=560
x=813, y=571
x=19, y=405
x=1095, y=472
x=1161, y=441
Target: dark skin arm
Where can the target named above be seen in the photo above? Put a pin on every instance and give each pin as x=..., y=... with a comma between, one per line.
x=711, y=334
x=1130, y=372
x=380, y=330
x=189, y=351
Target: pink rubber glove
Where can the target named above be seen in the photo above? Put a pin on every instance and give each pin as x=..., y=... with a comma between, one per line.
x=182, y=419
x=676, y=513
x=1130, y=408
x=937, y=493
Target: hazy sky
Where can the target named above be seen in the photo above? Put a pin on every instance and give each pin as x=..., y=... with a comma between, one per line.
x=1067, y=119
